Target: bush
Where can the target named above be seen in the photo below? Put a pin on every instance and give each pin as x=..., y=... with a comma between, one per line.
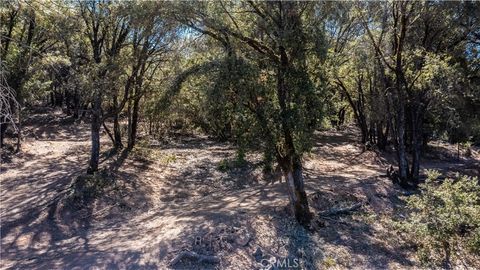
x=445, y=220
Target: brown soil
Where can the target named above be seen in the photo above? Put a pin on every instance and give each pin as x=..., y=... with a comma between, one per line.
x=169, y=197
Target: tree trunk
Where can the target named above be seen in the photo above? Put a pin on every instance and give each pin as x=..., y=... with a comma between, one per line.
x=293, y=172
x=400, y=82
x=341, y=116
x=415, y=171
x=129, y=121
x=291, y=163
x=357, y=112
x=19, y=132
x=85, y=109
x=150, y=126
x=400, y=128
x=382, y=136
x=447, y=259
x=371, y=132
x=3, y=129
x=364, y=129
x=52, y=99
x=401, y=147
x=132, y=133
x=68, y=102
x=108, y=132
x=76, y=104
x=302, y=211
x=417, y=135
x=95, y=126
x=117, y=135
x=58, y=98
x=362, y=119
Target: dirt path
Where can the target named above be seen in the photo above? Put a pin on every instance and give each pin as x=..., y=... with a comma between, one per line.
x=174, y=197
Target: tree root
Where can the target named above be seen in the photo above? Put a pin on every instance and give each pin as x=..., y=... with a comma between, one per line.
x=193, y=255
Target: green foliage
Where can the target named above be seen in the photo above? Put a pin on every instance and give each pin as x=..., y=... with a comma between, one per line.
x=445, y=219
x=215, y=67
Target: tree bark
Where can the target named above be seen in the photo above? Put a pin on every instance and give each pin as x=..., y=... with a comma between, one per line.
x=76, y=104
x=341, y=116
x=417, y=136
x=293, y=172
x=132, y=133
x=382, y=136
x=52, y=99
x=400, y=83
x=19, y=132
x=117, y=135
x=108, y=132
x=12, y=15
x=290, y=162
x=3, y=129
x=401, y=147
x=95, y=133
x=302, y=211
x=357, y=111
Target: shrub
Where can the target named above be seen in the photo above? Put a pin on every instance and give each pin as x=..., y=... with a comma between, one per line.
x=445, y=220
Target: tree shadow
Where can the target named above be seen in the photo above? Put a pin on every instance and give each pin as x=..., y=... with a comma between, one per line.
x=200, y=173
x=53, y=125
x=364, y=240
x=40, y=228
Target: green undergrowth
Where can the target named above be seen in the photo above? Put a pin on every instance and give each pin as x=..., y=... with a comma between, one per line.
x=444, y=221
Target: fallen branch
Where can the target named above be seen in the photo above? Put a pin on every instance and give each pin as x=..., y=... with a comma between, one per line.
x=193, y=255
x=338, y=211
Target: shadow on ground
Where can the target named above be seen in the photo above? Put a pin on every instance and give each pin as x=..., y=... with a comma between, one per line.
x=162, y=203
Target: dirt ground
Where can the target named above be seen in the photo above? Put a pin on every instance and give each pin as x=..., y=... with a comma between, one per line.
x=167, y=197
